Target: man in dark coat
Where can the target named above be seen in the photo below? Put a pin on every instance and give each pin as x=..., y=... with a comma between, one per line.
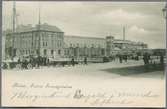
x=72, y=61
x=162, y=59
x=120, y=58
x=85, y=60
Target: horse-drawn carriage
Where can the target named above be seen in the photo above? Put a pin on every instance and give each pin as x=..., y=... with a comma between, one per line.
x=29, y=62
x=18, y=63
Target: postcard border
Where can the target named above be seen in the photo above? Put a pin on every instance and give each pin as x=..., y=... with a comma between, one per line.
x=10, y=107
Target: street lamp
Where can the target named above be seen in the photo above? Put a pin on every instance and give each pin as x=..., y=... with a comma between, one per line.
x=164, y=10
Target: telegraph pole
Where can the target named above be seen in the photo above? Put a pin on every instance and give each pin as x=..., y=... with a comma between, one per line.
x=39, y=27
x=17, y=22
x=124, y=33
x=39, y=16
x=14, y=28
x=164, y=10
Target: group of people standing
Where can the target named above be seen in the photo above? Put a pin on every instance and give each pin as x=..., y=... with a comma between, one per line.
x=43, y=61
x=123, y=57
x=73, y=62
x=147, y=58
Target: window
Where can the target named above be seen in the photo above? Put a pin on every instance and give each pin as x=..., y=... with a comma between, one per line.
x=68, y=52
x=37, y=51
x=77, y=44
x=59, y=52
x=45, y=52
x=102, y=52
x=46, y=43
x=52, y=52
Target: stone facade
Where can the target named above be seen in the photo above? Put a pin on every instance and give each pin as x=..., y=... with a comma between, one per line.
x=49, y=41
x=84, y=46
x=35, y=41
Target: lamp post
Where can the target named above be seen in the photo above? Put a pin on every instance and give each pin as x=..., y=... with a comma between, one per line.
x=164, y=10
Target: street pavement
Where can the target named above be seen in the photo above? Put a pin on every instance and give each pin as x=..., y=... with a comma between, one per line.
x=91, y=77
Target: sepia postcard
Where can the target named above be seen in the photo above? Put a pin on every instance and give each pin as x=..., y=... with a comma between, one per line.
x=83, y=54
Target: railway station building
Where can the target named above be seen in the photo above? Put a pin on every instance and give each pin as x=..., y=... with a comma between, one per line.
x=51, y=42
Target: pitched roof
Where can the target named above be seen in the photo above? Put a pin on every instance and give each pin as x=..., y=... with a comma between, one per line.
x=45, y=27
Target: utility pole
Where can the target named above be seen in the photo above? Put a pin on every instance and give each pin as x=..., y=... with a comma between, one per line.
x=164, y=10
x=124, y=33
x=14, y=28
x=39, y=27
x=17, y=22
x=39, y=16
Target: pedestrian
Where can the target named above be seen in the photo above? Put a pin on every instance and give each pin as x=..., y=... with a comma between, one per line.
x=38, y=61
x=146, y=58
x=85, y=60
x=48, y=61
x=125, y=58
x=19, y=60
x=45, y=61
x=137, y=57
x=72, y=61
x=25, y=63
x=120, y=58
x=161, y=59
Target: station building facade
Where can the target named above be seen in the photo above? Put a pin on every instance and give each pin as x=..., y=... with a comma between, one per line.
x=49, y=41
x=43, y=40
x=78, y=46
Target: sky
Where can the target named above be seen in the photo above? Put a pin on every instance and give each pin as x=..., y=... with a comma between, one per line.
x=143, y=21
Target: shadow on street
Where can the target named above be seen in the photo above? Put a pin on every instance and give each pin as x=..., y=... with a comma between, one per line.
x=155, y=69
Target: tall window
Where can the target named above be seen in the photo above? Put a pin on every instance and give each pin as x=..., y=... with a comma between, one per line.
x=102, y=52
x=45, y=52
x=46, y=44
x=77, y=44
x=59, y=52
x=43, y=43
x=51, y=52
x=70, y=45
x=37, y=51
